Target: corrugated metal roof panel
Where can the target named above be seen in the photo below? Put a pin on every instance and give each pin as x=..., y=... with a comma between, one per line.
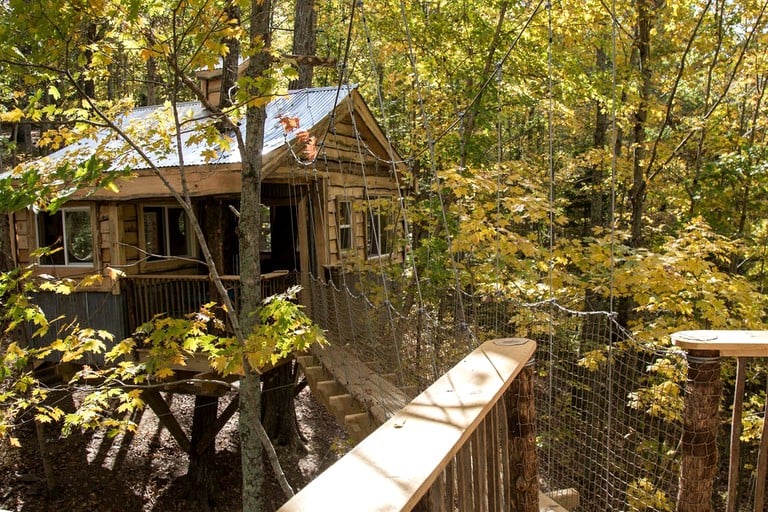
x=154, y=128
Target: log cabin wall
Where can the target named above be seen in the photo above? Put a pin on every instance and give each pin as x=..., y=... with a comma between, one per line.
x=21, y=233
x=345, y=187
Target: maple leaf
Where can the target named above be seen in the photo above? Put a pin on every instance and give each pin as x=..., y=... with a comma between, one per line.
x=311, y=148
x=289, y=123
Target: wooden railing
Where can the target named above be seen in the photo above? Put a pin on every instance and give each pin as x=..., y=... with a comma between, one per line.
x=701, y=417
x=466, y=443
x=179, y=295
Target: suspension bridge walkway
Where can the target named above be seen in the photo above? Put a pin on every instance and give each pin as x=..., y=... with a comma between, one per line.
x=360, y=398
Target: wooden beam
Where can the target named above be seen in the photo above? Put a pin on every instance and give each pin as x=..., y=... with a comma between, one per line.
x=166, y=417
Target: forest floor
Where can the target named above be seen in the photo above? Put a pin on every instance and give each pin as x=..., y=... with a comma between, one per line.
x=145, y=471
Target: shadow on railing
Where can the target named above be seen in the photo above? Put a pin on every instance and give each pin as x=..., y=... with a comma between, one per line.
x=467, y=442
x=179, y=295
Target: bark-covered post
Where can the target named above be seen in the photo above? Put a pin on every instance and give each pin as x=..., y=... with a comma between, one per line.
x=521, y=428
x=201, y=470
x=698, y=466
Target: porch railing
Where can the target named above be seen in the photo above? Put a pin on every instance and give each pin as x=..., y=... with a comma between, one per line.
x=179, y=295
x=466, y=443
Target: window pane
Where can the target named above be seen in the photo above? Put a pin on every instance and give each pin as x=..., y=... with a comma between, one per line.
x=177, y=232
x=266, y=229
x=154, y=231
x=374, y=233
x=345, y=225
x=50, y=232
x=345, y=238
x=77, y=225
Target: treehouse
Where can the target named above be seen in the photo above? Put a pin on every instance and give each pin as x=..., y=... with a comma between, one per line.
x=329, y=197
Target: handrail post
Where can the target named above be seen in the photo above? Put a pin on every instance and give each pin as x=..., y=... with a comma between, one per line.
x=521, y=428
x=698, y=467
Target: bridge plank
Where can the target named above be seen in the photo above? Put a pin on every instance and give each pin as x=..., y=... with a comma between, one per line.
x=396, y=465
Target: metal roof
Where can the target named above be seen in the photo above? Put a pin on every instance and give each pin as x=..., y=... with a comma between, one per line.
x=154, y=130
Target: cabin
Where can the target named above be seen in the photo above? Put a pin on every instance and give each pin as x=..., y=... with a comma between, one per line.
x=325, y=211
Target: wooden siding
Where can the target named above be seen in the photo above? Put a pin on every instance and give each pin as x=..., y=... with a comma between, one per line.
x=350, y=187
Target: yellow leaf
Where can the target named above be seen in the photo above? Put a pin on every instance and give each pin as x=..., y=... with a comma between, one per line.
x=14, y=116
x=163, y=373
x=112, y=187
x=15, y=442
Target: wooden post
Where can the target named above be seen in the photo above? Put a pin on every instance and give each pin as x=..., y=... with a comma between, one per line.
x=698, y=466
x=521, y=428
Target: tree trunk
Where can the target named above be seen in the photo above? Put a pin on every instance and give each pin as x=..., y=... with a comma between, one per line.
x=278, y=411
x=304, y=41
x=250, y=270
x=201, y=471
x=6, y=258
x=153, y=78
x=600, y=138
x=637, y=193
x=230, y=65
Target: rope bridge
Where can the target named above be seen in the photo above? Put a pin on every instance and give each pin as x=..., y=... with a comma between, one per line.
x=602, y=427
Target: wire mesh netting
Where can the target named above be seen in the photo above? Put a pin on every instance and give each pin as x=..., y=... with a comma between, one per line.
x=608, y=406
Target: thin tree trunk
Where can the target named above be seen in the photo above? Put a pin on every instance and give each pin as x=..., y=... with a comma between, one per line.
x=231, y=63
x=637, y=193
x=6, y=258
x=250, y=269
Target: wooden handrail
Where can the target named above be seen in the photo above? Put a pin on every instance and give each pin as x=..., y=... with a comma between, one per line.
x=416, y=449
x=726, y=343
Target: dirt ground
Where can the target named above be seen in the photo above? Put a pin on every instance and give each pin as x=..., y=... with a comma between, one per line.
x=145, y=471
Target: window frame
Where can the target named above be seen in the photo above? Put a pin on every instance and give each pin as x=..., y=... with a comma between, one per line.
x=342, y=203
x=155, y=256
x=374, y=215
x=64, y=237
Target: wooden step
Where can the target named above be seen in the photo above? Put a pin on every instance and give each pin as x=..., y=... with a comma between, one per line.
x=315, y=374
x=328, y=388
x=342, y=406
x=390, y=377
x=306, y=361
x=566, y=498
x=359, y=425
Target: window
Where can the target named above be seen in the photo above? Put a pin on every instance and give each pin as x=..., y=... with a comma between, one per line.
x=266, y=229
x=166, y=232
x=380, y=228
x=344, y=221
x=69, y=231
